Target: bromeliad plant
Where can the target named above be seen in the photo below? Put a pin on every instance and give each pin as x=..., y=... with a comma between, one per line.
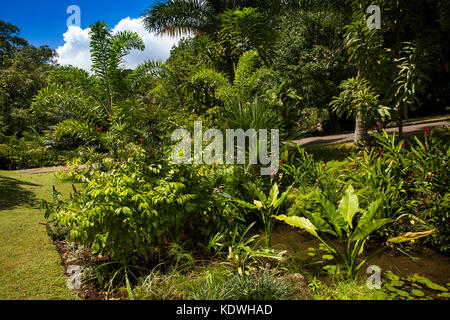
x=350, y=224
x=267, y=206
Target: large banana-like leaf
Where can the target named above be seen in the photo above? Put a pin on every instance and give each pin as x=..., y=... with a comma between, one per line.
x=364, y=230
x=245, y=204
x=273, y=196
x=299, y=222
x=334, y=216
x=259, y=193
x=320, y=223
x=366, y=218
x=410, y=236
x=349, y=205
x=283, y=197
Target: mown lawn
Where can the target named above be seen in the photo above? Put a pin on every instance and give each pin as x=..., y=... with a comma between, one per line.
x=30, y=267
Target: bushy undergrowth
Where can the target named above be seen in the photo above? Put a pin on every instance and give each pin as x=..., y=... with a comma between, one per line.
x=146, y=209
x=31, y=152
x=133, y=211
x=409, y=178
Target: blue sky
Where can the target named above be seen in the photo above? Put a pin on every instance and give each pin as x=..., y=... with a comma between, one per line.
x=44, y=21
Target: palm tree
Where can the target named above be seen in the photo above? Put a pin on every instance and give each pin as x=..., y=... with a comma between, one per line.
x=90, y=103
x=180, y=17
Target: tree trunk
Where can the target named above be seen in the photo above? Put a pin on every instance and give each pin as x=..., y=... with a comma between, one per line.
x=361, y=133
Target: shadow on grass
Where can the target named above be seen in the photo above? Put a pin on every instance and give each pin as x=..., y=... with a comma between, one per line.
x=13, y=193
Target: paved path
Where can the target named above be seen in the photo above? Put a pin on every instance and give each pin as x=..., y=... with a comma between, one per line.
x=45, y=170
x=348, y=137
x=340, y=138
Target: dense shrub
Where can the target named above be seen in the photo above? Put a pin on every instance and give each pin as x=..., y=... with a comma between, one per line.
x=30, y=152
x=410, y=177
x=134, y=210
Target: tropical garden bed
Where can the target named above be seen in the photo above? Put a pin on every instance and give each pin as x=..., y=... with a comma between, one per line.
x=367, y=220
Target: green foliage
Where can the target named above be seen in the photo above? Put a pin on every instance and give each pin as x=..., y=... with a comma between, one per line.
x=23, y=73
x=87, y=106
x=244, y=30
x=134, y=210
x=30, y=152
x=268, y=206
x=413, y=287
x=410, y=79
x=409, y=177
x=302, y=170
x=341, y=222
x=259, y=287
x=310, y=60
x=358, y=97
x=9, y=39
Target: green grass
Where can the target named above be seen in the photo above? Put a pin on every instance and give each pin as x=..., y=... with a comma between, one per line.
x=30, y=266
x=332, y=152
x=422, y=120
x=348, y=290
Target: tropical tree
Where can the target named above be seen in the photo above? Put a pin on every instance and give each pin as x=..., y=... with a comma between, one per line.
x=311, y=59
x=410, y=81
x=247, y=102
x=233, y=26
x=180, y=17
x=23, y=72
x=9, y=39
x=86, y=105
x=366, y=51
x=359, y=100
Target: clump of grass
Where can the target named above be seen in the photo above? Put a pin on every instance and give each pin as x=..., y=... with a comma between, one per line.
x=158, y=286
x=254, y=286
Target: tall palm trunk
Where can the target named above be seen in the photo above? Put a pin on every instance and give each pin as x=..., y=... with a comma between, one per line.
x=361, y=133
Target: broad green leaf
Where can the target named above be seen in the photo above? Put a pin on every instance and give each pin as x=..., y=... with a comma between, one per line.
x=365, y=230
x=299, y=222
x=333, y=216
x=258, y=204
x=371, y=212
x=321, y=224
x=327, y=257
x=283, y=197
x=245, y=204
x=410, y=236
x=259, y=193
x=430, y=284
x=418, y=293
x=349, y=205
x=273, y=196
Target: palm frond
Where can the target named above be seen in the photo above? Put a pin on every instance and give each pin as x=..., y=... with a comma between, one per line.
x=178, y=17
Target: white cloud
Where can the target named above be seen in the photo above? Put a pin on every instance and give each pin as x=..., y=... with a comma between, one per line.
x=76, y=51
